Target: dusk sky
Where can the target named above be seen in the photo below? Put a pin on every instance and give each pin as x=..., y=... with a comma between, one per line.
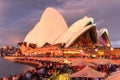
x=18, y=17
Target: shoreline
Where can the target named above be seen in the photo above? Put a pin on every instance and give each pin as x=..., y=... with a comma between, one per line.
x=35, y=61
x=9, y=67
x=21, y=60
x=52, y=58
x=32, y=61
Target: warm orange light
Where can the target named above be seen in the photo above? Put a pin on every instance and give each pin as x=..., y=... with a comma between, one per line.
x=58, y=51
x=111, y=49
x=51, y=52
x=81, y=50
x=96, y=50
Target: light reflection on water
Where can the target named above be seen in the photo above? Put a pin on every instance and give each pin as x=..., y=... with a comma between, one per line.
x=10, y=68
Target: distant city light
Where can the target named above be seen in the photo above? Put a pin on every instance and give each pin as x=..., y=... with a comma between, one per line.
x=111, y=49
x=81, y=50
x=93, y=55
x=58, y=51
x=51, y=52
x=96, y=50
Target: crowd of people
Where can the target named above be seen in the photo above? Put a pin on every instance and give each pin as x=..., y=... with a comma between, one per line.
x=47, y=70
x=51, y=70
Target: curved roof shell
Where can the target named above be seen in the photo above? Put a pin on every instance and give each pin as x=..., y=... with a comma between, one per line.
x=51, y=23
x=31, y=36
x=103, y=37
x=53, y=29
x=74, y=29
x=82, y=31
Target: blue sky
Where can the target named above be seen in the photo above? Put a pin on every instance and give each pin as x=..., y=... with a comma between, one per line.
x=18, y=17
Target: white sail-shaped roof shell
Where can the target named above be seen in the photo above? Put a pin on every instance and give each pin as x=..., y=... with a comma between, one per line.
x=31, y=36
x=73, y=30
x=102, y=32
x=82, y=31
x=48, y=29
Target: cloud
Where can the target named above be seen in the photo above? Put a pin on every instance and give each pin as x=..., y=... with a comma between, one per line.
x=107, y=13
x=2, y=5
x=17, y=17
x=74, y=10
x=115, y=44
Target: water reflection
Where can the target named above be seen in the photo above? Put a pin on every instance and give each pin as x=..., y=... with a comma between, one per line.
x=9, y=68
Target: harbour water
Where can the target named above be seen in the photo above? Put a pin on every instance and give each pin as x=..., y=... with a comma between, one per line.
x=10, y=68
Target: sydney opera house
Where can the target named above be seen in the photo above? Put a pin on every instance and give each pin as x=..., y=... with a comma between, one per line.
x=52, y=36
